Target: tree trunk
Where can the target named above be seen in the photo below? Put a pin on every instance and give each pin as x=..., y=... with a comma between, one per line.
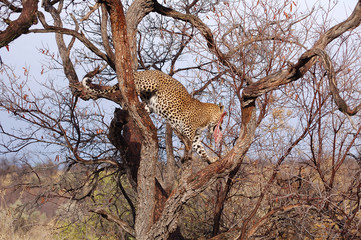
x=149, y=149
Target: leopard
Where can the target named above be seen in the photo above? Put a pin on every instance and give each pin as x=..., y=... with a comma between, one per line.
x=168, y=98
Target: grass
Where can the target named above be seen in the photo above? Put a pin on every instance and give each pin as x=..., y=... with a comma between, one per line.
x=27, y=227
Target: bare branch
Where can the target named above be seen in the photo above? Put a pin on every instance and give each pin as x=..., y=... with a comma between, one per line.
x=11, y=6
x=123, y=225
x=21, y=25
x=206, y=33
x=79, y=36
x=304, y=63
x=104, y=33
x=341, y=104
x=92, y=9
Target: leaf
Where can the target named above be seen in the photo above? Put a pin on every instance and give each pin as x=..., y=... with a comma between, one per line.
x=26, y=72
x=285, y=14
x=99, y=131
x=7, y=47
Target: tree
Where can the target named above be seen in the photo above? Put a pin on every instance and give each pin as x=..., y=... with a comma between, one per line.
x=260, y=58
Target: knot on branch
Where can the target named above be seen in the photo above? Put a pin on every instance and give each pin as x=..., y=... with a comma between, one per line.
x=125, y=137
x=116, y=128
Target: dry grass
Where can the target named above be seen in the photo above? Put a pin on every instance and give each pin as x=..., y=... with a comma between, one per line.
x=10, y=229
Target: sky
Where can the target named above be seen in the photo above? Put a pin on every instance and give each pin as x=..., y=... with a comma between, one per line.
x=25, y=51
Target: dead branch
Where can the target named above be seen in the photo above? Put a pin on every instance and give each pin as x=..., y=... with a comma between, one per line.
x=112, y=218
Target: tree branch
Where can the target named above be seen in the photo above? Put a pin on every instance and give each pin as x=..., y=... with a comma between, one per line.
x=341, y=104
x=305, y=62
x=60, y=30
x=112, y=218
x=21, y=25
x=63, y=50
x=206, y=33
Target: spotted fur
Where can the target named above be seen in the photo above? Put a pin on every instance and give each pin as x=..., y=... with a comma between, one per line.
x=168, y=98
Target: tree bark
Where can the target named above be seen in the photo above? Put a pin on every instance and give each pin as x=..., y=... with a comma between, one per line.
x=149, y=148
x=21, y=25
x=136, y=12
x=171, y=168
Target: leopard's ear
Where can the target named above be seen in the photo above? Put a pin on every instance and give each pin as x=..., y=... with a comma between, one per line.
x=221, y=107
